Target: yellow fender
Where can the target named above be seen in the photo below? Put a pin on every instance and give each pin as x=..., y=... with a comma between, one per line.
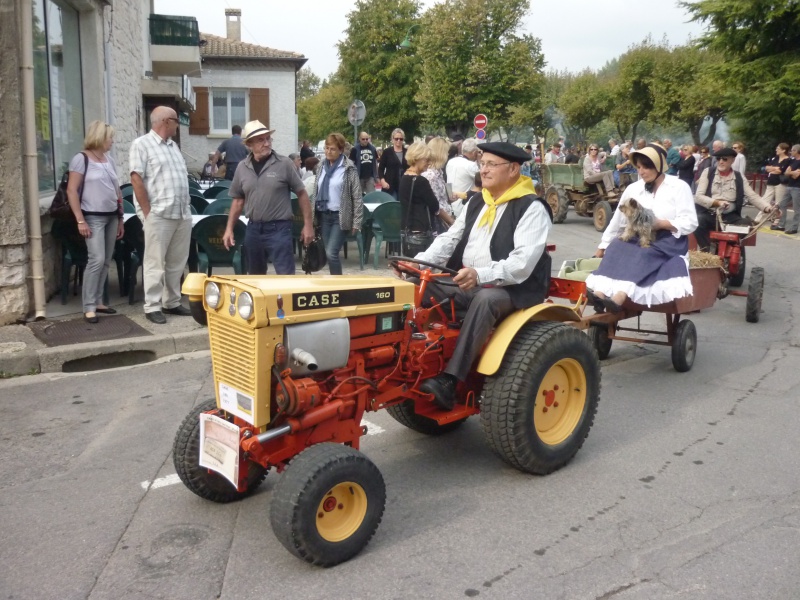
x=193, y=286
x=498, y=344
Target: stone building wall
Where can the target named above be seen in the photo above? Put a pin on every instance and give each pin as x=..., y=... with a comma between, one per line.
x=282, y=116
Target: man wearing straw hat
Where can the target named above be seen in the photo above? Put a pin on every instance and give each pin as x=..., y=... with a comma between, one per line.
x=262, y=188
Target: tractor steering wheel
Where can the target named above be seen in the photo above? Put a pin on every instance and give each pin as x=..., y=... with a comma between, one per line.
x=395, y=264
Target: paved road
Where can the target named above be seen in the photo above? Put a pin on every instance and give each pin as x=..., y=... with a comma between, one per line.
x=687, y=486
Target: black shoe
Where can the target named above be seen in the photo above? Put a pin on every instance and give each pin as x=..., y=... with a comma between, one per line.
x=106, y=311
x=596, y=302
x=179, y=310
x=156, y=317
x=612, y=306
x=790, y=231
x=776, y=228
x=93, y=319
x=443, y=388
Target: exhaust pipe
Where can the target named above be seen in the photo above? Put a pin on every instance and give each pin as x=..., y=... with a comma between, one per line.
x=306, y=359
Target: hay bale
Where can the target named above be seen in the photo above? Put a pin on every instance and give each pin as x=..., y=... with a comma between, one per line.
x=703, y=260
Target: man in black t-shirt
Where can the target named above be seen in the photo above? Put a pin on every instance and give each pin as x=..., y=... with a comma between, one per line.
x=792, y=195
x=365, y=157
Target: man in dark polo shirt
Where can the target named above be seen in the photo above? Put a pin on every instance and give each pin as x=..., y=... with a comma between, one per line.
x=234, y=151
x=498, y=246
x=365, y=157
x=262, y=188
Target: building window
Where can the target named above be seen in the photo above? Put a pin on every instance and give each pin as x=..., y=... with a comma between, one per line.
x=57, y=88
x=228, y=108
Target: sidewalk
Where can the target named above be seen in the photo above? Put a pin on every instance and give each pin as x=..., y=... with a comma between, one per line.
x=22, y=353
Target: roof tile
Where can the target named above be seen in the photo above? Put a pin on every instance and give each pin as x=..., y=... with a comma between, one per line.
x=220, y=47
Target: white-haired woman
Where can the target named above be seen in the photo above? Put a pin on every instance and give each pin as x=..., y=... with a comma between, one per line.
x=393, y=163
x=419, y=206
x=438, y=157
x=96, y=201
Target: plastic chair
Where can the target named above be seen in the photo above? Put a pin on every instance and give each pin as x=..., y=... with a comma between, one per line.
x=133, y=238
x=127, y=193
x=386, y=226
x=73, y=254
x=211, y=252
x=297, y=225
x=225, y=183
x=219, y=207
x=125, y=186
x=360, y=237
x=128, y=207
x=214, y=191
x=193, y=183
x=378, y=198
x=199, y=202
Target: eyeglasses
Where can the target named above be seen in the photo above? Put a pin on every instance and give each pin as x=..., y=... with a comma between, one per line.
x=259, y=140
x=725, y=158
x=592, y=149
x=398, y=139
x=364, y=139
x=171, y=119
x=491, y=165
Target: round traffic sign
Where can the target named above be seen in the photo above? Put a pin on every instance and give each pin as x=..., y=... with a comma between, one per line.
x=480, y=134
x=480, y=121
x=356, y=113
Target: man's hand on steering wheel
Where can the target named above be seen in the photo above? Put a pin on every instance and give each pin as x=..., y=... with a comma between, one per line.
x=403, y=267
x=466, y=279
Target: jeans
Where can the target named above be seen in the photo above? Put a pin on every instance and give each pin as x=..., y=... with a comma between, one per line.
x=101, y=247
x=333, y=236
x=269, y=240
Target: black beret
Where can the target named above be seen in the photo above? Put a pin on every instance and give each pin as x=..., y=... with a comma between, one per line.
x=506, y=150
x=725, y=152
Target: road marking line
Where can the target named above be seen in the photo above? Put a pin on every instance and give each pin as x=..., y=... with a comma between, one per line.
x=161, y=482
x=372, y=429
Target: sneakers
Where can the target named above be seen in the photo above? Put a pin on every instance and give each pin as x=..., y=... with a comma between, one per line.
x=179, y=310
x=156, y=317
x=443, y=388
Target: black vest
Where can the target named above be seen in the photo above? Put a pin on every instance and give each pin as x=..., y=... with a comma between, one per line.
x=739, y=203
x=536, y=287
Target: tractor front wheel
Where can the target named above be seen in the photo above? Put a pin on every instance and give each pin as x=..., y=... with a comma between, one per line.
x=207, y=484
x=537, y=410
x=328, y=504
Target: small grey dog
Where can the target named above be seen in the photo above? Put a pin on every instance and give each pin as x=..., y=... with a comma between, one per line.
x=640, y=222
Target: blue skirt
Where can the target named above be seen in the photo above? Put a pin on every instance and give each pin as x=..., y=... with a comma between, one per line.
x=654, y=275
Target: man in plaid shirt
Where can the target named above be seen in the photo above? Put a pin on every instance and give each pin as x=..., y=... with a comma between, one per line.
x=161, y=187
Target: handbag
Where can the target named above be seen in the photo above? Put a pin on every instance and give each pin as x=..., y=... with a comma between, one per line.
x=412, y=243
x=315, y=257
x=59, y=207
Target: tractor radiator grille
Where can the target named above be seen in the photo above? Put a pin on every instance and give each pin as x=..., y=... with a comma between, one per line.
x=233, y=349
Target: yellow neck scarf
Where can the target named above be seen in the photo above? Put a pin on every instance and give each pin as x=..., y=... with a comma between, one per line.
x=523, y=187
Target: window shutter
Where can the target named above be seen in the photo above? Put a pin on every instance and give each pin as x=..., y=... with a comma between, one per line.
x=198, y=119
x=259, y=105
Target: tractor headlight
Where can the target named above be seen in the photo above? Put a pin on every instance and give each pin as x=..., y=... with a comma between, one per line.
x=245, y=305
x=211, y=293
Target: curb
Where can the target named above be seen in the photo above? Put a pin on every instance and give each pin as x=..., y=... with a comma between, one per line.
x=18, y=358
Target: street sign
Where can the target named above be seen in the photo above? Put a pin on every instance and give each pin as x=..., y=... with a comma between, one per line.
x=480, y=121
x=480, y=134
x=356, y=113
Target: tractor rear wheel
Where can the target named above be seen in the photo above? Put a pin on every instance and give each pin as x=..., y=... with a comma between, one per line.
x=755, y=292
x=207, y=484
x=328, y=504
x=601, y=214
x=537, y=410
x=405, y=415
x=557, y=199
x=684, y=346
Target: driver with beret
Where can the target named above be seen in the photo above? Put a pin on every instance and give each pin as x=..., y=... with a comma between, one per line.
x=498, y=246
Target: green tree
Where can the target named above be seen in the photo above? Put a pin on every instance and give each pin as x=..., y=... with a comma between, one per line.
x=325, y=112
x=540, y=114
x=760, y=43
x=585, y=103
x=307, y=84
x=475, y=61
x=375, y=70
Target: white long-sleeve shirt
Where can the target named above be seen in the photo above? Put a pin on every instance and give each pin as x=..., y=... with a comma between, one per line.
x=530, y=239
x=673, y=201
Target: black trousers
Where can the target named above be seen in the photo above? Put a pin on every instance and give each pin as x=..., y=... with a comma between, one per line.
x=485, y=307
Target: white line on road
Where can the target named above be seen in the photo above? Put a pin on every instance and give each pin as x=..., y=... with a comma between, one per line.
x=161, y=482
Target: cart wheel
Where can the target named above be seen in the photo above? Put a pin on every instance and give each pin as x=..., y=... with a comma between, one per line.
x=738, y=279
x=200, y=480
x=600, y=340
x=328, y=504
x=404, y=414
x=538, y=408
x=198, y=312
x=755, y=292
x=684, y=346
x=602, y=215
x=559, y=204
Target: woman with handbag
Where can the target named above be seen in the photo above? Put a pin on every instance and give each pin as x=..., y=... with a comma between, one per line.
x=337, y=203
x=419, y=206
x=96, y=201
x=439, y=149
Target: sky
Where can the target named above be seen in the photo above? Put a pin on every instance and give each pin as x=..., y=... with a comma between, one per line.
x=575, y=35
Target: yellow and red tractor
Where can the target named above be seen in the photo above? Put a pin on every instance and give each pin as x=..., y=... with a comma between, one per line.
x=298, y=361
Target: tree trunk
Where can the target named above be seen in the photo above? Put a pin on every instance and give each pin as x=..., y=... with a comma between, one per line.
x=712, y=131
